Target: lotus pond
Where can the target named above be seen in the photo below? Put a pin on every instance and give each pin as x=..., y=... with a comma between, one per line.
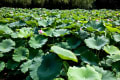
x=42, y=44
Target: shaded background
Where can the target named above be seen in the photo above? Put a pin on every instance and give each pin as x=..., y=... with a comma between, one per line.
x=108, y=4
x=62, y=4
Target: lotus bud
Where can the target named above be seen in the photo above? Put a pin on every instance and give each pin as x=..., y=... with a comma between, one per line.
x=97, y=20
x=40, y=31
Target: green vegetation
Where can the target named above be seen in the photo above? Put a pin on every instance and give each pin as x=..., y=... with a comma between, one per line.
x=48, y=3
x=42, y=44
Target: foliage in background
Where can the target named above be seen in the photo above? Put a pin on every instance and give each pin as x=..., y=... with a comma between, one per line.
x=42, y=44
x=85, y=4
x=62, y=4
x=16, y=2
x=108, y=4
x=49, y=3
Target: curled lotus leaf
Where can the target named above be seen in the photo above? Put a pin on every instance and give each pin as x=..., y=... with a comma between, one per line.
x=83, y=73
x=64, y=53
x=4, y=29
x=116, y=37
x=37, y=41
x=25, y=66
x=60, y=32
x=7, y=45
x=96, y=43
x=111, y=49
x=20, y=54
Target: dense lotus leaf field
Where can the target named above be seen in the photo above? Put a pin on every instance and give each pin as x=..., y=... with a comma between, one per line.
x=42, y=44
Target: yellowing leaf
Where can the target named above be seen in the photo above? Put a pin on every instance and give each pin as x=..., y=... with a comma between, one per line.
x=64, y=54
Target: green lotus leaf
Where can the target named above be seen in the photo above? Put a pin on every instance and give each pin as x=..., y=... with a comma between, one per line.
x=48, y=32
x=25, y=66
x=64, y=53
x=20, y=54
x=7, y=45
x=80, y=50
x=96, y=25
x=60, y=32
x=106, y=75
x=83, y=34
x=83, y=73
x=118, y=76
x=23, y=33
x=43, y=23
x=64, y=45
x=6, y=20
x=35, y=53
x=115, y=57
x=37, y=41
x=46, y=67
x=111, y=29
x=32, y=23
x=4, y=29
x=18, y=23
x=117, y=22
x=111, y=50
x=87, y=56
x=73, y=42
x=2, y=65
x=14, y=35
x=116, y=37
x=96, y=43
x=34, y=68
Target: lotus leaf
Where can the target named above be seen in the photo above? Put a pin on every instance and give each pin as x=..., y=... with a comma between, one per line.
x=96, y=25
x=116, y=37
x=83, y=73
x=37, y=41
x=46, y=67
x=64, y=53
x=4, y=29
x=115, y=57
x=73, y=42
x=7, y=45
x=25, y=66
x=2, y=65
x=20, y=54
x=106, y=75
x=23, y=33
x=96, y=43
x=60, y=32
x=111, y=50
